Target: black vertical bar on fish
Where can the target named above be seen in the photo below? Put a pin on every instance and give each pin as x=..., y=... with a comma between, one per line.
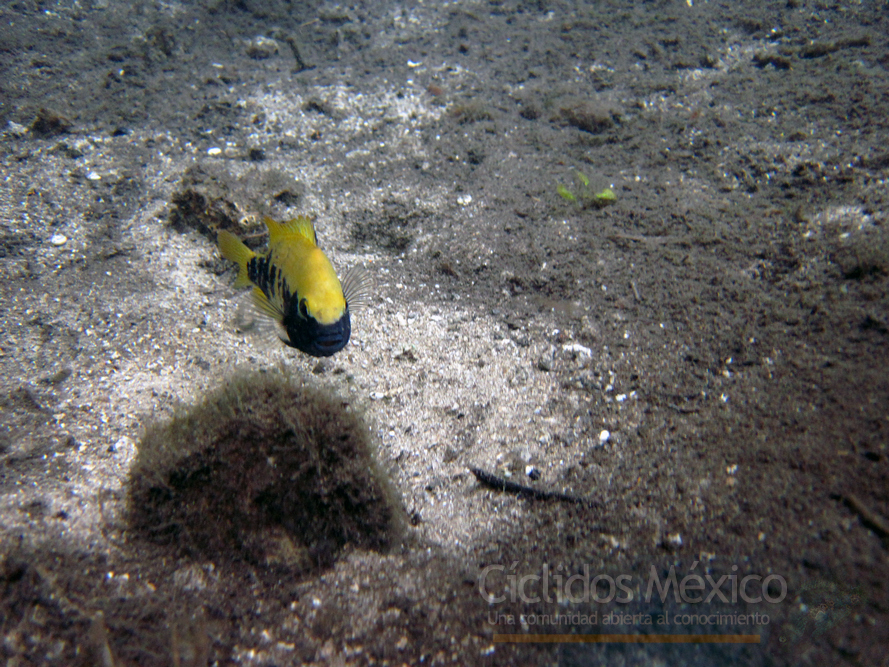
x=258, y=272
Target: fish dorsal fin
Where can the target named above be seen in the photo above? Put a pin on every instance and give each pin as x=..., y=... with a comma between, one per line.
x=300, y=225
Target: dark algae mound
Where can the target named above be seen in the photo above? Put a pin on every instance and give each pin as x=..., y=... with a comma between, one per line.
x=267, y=470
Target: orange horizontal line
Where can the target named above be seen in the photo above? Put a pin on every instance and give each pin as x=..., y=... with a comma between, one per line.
x=630, y=639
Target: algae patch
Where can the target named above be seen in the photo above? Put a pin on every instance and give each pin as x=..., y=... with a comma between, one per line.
x=265, y=469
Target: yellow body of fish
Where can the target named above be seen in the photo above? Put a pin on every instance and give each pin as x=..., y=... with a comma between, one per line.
x=296, y=285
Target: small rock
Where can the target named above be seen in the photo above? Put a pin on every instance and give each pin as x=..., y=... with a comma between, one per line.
x=16, y=130
x=588, y=115
x=190, y=578
x=261, y=47
x=49, y=124
x=578, y=349
x=124, y=444
x=58, y=239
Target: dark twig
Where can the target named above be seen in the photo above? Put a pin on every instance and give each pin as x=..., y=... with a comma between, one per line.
x=501, y=484
x=868, y=518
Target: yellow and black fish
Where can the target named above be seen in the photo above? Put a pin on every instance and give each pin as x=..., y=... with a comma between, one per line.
x=295, y=284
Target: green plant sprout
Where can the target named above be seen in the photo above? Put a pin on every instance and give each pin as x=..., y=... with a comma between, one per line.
x=566, y=193
x=585, y=195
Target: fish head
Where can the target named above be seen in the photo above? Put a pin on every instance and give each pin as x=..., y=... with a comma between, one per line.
x=318, y=339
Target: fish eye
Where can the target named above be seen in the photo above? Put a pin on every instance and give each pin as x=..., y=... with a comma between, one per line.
x=304, y=308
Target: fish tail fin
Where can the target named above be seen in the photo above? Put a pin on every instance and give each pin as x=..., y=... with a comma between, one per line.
x=233, y=249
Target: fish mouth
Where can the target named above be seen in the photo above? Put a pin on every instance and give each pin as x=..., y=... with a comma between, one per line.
x=332, y=344
x=320, y=340
x=328, y=346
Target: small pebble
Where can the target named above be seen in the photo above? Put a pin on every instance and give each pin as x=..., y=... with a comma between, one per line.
x=582, y=350
x=604, y=435
x=214, y=151
x=17, y=130
x=262, y=47
x=58, y=239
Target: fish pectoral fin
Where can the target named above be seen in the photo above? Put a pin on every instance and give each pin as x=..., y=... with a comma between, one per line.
x=266, y=307
x=282, y=332
x=358, y=288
